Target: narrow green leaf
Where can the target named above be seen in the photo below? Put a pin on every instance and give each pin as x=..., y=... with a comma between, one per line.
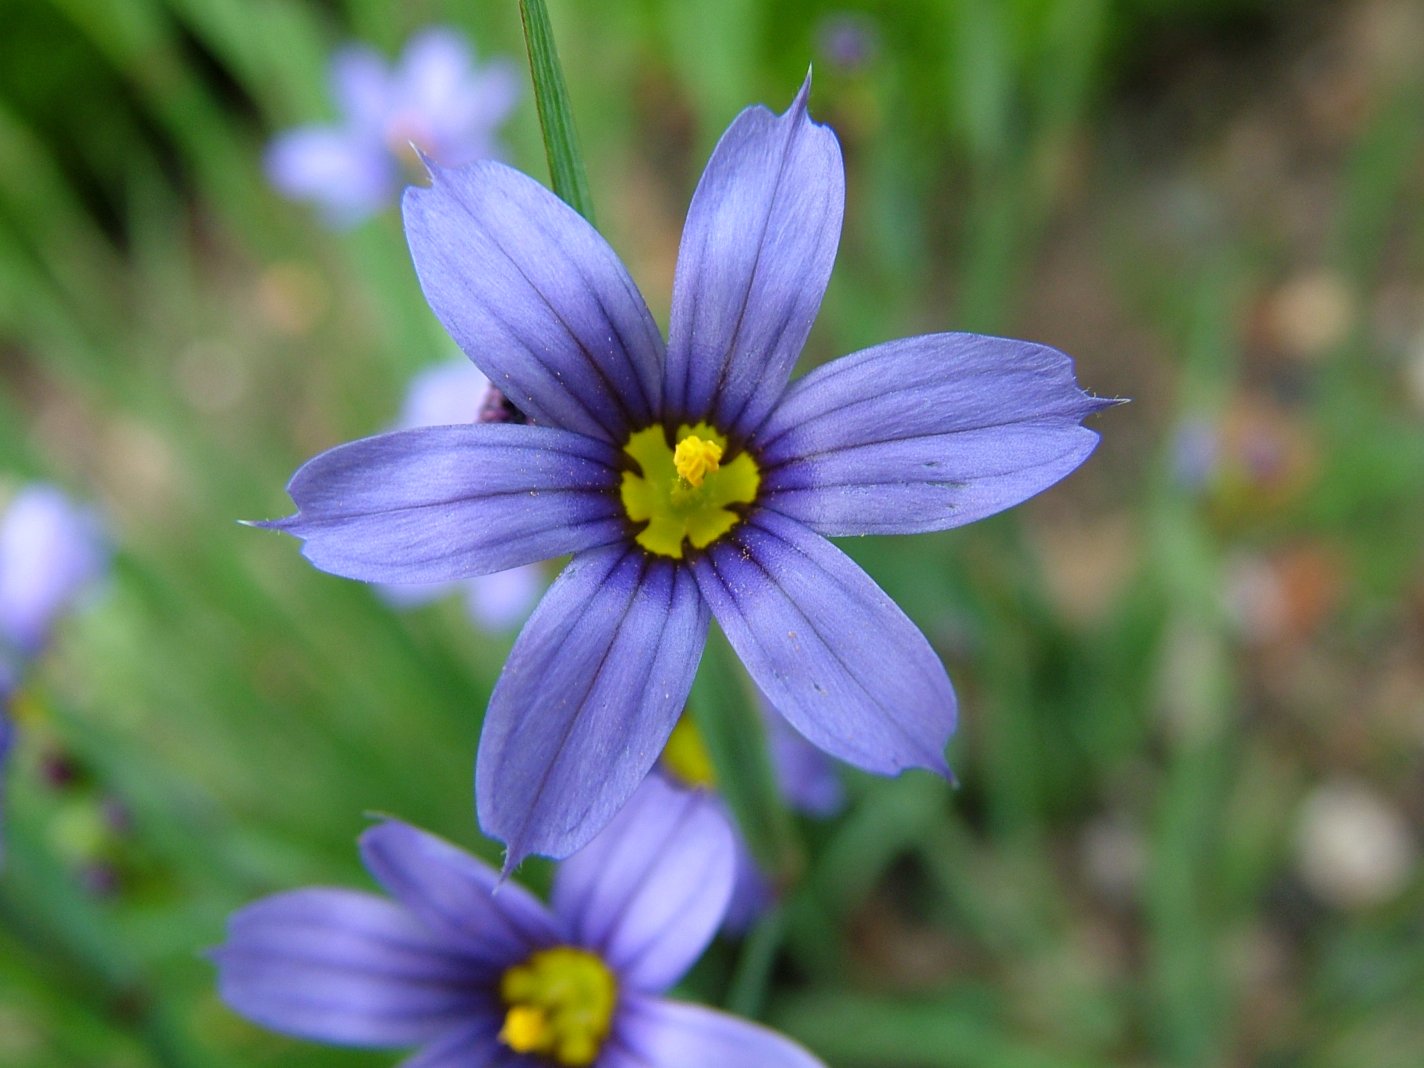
x=551, y=96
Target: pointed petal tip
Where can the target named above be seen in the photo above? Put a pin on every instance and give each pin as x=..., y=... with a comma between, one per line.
x=512, y=859
x=270, y=524
x=801, y=105
x=432, y=167
x=804, y=93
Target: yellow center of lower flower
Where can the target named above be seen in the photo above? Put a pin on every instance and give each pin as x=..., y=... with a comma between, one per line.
x=559, y=1004
x=685, y=756
x=684, y=492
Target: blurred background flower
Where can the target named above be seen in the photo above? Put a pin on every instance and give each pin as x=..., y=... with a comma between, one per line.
x=436, y=99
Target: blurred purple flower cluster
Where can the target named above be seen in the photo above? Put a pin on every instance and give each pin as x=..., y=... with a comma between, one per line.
x=435, y=100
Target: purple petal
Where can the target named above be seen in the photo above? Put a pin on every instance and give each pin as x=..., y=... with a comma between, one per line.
x=503, y=600
x=806, y=776
x=51, y=551
x=433, y=71
x=467, y=128
x=348, y=173
x=475, y=1046
x=923, y=434
x=361, y=87
x=445, y=394
x=756, y=254
x=440, y=503
x=536, y=299
x=454, y=895
x=587, y=699
x=652, y=1033
x=831, y=652
x=650, y=890
x=345, y=967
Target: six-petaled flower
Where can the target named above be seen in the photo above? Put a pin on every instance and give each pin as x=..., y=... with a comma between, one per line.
x=479, y=973
x=688, y=479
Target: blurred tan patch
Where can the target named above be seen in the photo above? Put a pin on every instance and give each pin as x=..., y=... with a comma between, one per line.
x=290, y=298
x=1088, y=562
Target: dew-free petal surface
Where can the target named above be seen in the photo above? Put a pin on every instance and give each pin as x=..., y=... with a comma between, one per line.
x=923, y=434
x=473, y=1046
x=342, y=966
x=587, y=699
x=828, y=648
x=650, y=890
x=435, y=504
x=454, y=894
x=653, y=1033
x=756, y=254
x=536, y=298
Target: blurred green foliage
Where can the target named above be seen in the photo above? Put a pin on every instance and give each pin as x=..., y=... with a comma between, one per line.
x=1213, y=204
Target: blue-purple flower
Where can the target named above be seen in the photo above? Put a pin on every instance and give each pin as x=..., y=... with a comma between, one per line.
x=444, y=395
x=478, y=973
x=436, y=98
x=52, y=552
x=687, y=479
x=805, y=777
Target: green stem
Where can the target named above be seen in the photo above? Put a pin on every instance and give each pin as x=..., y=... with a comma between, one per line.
x=551, y=97
x=747, y=994
x=729, y=722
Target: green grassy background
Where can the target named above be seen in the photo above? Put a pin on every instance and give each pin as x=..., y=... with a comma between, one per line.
x=1212, y=204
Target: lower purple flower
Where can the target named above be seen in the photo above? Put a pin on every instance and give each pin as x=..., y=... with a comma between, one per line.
x=479, y=973
x=805, y=777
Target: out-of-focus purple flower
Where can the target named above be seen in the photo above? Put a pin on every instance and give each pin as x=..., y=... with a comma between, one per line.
x=447, y=394
x=52, y=551
x=7, y=740
x=848, y=41
x=476, y=973
x=436, y=98
x=1196, y=452
x=805, y=776
x=687, y=479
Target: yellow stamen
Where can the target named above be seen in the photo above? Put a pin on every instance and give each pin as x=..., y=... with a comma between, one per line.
x=685, y=493
x=696, y=458
x=560, y=1005
x=525, y=1029
x=685, y=756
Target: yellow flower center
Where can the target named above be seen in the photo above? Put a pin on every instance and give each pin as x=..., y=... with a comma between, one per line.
x=559, y=1004
x=685, y=756
x=685, y=493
